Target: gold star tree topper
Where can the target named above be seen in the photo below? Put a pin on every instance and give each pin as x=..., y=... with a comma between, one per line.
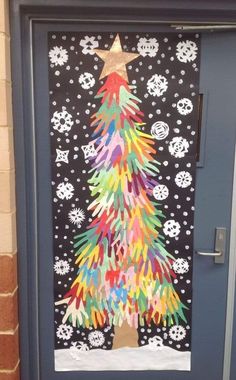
x=115, y=59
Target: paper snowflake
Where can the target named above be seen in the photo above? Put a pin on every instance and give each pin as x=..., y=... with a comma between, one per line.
x=62, y=121
x=86, y=80
x=180, y=266
x=178, y=147
x=160, y=130
x=186, y=51
x=148, y=47
x=65, y=190
x=155, y=342
x=160, y=192
x=64, y=332
x=89, y=150
x=184, y=106
x=171, y=228
x=88, y=44
x=96, y=338
x=177, y=333
x=76, y=348
x=62, y=267
x=183, y=179
x=157, y=85
x=62, y=156
x=76, y=216
x=58, y=56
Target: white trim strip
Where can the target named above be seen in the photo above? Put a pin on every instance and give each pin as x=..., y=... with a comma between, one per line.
x=231, y=285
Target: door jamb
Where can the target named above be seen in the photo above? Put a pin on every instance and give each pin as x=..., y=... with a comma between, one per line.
x=229, y=322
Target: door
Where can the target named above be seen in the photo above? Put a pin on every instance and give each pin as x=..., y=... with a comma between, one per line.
x=214, y=180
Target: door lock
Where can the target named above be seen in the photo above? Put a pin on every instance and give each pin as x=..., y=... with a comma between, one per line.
x=220, y=246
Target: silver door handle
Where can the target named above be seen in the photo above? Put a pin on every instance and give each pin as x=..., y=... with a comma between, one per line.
x=220, y=245
x=213, y=254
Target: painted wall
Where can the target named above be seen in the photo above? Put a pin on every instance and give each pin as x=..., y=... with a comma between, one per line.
x=9, y=352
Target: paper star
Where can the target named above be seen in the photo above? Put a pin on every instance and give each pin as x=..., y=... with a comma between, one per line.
x=62, y=155
x=115, y=59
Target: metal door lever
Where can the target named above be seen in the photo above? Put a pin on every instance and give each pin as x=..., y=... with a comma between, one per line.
x=220, y=245
x=213, y=254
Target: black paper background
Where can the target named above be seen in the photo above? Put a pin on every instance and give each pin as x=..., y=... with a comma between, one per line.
x=66, y=93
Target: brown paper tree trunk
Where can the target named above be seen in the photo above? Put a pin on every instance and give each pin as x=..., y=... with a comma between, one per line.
x=125, y=336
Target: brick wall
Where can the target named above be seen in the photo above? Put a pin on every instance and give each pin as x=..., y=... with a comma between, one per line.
x=9, y=352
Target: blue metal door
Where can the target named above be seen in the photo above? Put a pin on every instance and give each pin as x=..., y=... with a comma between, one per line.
x=212, y=204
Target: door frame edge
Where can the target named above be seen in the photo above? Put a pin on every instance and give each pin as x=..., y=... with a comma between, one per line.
x=229, y=322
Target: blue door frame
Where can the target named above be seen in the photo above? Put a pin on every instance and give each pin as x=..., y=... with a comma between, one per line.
x=24, y=15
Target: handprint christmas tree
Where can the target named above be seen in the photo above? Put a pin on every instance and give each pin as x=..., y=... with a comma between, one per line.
x=124, y=271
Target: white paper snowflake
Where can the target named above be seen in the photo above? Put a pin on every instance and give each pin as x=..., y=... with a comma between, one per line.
x=184, y=106
x=62, y=121
x=178, y=147
x=183, y=179
x=186, y=51
x=96, y=338
x=86, y=80
x=160, y=192
x=157, y=85
x=156, y=342
x=89, y=150
x=61, y=267
x=180, y=266
x=62, y=156
x=64, y=332
x=88, y=44
x=171, y=228
x=147, y=47
x=76, y=216
x=177, y=333
x=76, y=348
x=58, y=56
x=160, y=130
x=65, y=190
